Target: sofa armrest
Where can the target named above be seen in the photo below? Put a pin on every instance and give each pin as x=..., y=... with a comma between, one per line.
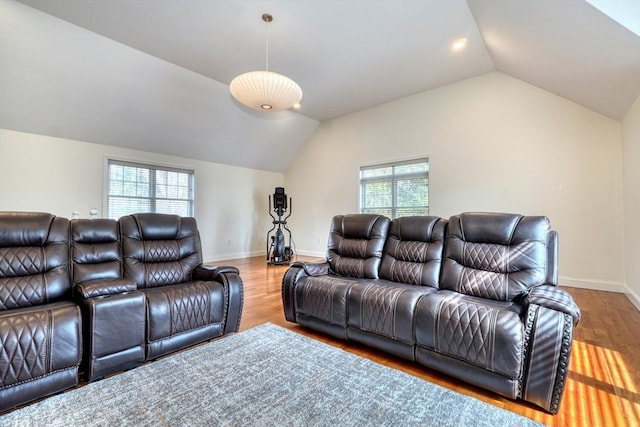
x=230, y=278
x=204, y=272
x=313, y=268
x=104, y=288
x=297, y=271
x=554, y=298
x=551, y=315
x=552, y=258
x=289, y=282
x=548, y=340
x=113, y=326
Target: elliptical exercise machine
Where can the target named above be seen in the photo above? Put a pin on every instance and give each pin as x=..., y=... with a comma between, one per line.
x=277, y=252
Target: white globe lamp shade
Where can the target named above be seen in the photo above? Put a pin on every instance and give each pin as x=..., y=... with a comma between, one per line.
x=266, y=91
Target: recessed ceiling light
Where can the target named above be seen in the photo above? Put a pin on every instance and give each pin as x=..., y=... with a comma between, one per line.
x=459, y=45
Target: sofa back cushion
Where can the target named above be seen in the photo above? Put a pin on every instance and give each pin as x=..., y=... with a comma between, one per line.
x=355, y=244
x=159, y=249
x=495, y=256
x=95, y=250
x=413, y=251
x=34, y=259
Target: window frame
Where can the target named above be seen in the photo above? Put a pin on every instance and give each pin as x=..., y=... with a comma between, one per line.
x=393, y=178
x=153, y=167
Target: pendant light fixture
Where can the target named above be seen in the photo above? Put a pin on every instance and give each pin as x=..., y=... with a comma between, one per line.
x=266, y=90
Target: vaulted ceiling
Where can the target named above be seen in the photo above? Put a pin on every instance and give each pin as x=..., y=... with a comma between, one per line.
x=154, y=75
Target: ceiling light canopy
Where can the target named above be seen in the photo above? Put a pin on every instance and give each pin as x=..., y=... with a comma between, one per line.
x=266, y=90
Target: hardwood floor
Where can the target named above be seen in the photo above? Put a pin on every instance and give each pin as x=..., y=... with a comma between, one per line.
x=603, y=388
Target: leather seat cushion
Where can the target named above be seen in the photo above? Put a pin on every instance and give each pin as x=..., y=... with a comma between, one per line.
x=485, y=333
x=324, y=297
x=386, y=308
x=183, y=307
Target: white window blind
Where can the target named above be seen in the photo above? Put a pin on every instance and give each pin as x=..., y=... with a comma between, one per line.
x=135, y=188
x=395, y=189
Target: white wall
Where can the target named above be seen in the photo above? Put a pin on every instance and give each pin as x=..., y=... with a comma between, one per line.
x=41, y=173
x=631, y=168
x=495, y=143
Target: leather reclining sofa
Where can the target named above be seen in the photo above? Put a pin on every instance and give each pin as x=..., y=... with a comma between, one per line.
x=474, y=296
x=84, y=298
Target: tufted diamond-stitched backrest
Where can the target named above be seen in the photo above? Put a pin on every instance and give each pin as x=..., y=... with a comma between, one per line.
x=495, y=256
x=355, y=244
x=34, y=259
x=413, y=251
x=159, y=249
x=95, y=250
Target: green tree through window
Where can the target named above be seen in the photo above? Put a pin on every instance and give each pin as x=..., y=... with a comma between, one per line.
x=134, y=188
x=395, y=189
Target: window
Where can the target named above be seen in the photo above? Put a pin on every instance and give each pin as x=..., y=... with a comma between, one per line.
x=134, y=188
x=395, y=189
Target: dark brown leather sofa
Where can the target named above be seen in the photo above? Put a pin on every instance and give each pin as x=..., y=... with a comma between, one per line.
x=40, y=325
x=474, y=296
x=84, y=298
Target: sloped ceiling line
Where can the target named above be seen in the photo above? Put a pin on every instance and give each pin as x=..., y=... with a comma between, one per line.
x=154, y=75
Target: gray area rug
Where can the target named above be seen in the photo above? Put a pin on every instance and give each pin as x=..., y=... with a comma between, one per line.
x=265, y=376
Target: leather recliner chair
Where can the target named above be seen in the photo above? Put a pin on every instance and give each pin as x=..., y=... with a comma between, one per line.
x=40, y=325
x=186, y=303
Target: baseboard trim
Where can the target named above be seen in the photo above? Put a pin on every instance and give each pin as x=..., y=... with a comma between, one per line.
x=235, y=255
x=634, y=298
x=313, y=254
x=239, y=255
x=591, y=284
x=607, y=286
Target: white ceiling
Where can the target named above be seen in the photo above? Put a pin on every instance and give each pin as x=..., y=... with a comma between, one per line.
x=154, y=75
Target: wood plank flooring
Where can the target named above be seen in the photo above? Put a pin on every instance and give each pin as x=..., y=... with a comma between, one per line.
x=603, y=388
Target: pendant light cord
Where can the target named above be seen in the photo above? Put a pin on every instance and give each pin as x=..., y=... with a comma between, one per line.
x=267, y=18
x=267, y=60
